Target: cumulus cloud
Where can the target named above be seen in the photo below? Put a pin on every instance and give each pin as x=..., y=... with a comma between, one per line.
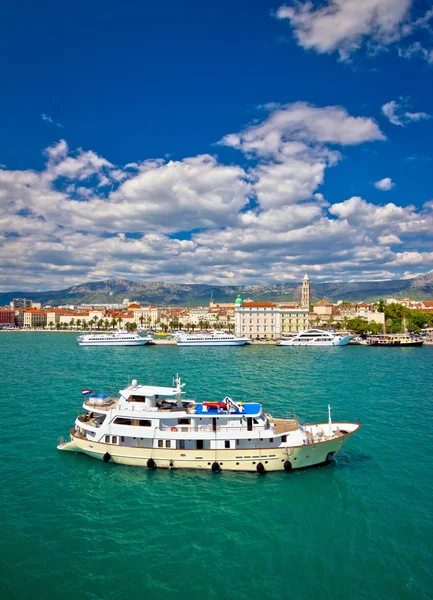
x=344, y=26
x=84, y=218
x=397, y=113
x=384, y=184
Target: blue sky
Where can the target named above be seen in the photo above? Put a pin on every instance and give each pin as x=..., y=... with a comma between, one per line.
x=242, y=142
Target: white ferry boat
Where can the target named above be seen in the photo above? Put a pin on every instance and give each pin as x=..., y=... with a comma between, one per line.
x=210, y=339
x=119, y=338
x=317, y=337
x=154, y=426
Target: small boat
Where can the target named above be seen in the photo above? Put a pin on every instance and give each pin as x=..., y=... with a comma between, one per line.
x=317, y=337
x=119, y=338
x=151, y=426
x=210, y=339
x=394, y=340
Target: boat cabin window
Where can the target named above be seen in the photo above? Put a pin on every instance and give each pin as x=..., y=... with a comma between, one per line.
x=168, y=444
x=107, y=439
x=199, y=445
x=144, y=423
x=160, y=443
x=134, y=398
x=184, y=421
x=284, y=438
x=122, y=421
x=227, y=444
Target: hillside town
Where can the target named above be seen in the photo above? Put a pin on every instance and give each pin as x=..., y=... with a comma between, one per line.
x=243, y=317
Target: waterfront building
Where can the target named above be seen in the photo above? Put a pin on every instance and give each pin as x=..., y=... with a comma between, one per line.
x=306, y=293
x=147, y=316
x=53, y=316
x=257, y=320
x=293, y=319
x=34, y=317
x=7, y=317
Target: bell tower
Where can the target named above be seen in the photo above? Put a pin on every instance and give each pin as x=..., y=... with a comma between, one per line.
x=305, y=301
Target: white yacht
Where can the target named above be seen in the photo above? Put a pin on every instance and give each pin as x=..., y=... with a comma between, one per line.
x=153, y=426
x=119, y=338
x=317, y=337
x=213, y=338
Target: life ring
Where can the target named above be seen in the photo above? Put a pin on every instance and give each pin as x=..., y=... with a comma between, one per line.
x=173, y=428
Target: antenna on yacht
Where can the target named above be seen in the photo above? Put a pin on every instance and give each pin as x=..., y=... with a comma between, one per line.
x=329, y=420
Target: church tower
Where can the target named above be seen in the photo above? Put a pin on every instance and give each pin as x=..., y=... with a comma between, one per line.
x=305, y=302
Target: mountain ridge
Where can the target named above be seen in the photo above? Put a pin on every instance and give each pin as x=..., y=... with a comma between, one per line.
x=178, y=294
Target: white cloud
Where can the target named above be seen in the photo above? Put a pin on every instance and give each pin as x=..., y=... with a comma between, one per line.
x=290, y=127
x=48, y=119
x=397, y=113
x=344, y=26
x=417, y=50
x=384, y=184
x=83, y=218
x=291, y=144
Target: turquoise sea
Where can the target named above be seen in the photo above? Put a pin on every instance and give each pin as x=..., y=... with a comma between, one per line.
x=74, y=527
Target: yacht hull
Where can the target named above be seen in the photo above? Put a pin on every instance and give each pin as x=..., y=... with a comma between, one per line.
x=215, y=343
x=248, y=460
x=342, y=342
x=115, y=343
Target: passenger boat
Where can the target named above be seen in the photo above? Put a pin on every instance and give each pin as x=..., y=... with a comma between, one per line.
x=317, y=337
x=393, y=340
x=153, y=426
x=210, y=339
x=119, y=338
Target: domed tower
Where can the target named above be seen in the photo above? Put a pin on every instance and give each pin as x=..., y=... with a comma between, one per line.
x=238, y=301
x=305, y=301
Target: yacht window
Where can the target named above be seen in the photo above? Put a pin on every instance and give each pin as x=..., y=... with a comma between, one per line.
x=114, y=439
x=199, y=445
x=182, y=444
x=144, y=423
x=134, y=398
x=256, y=422
x=122, y=421
x=184, y=421
x=160, y=443
x=168, y=444
x=122, y=438
x=107, y=439
x=227, y=444
x=284, y=438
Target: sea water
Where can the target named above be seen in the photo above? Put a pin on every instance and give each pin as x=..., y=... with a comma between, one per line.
x=74, y=527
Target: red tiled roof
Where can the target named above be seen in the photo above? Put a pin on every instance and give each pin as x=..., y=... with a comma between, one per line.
x=248, y=304
x=323, y=303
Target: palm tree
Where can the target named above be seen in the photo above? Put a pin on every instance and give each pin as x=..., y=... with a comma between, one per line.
x=141, y=319
x=50, y=324
x=113, y=323
x=201, y=323
x=78, y=323
x=317, y=320
x=106, y=324
x=72, y=323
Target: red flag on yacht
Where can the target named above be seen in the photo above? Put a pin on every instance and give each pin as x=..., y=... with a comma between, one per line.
x=85, y=392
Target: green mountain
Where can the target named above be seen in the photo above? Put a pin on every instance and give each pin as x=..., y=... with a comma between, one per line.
x=159, y=292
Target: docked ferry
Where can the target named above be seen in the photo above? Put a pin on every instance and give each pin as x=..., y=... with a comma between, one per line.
x=394, y=340
x=119, y=338
x=153, y=426
x=213, y=338
x=317, y=337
